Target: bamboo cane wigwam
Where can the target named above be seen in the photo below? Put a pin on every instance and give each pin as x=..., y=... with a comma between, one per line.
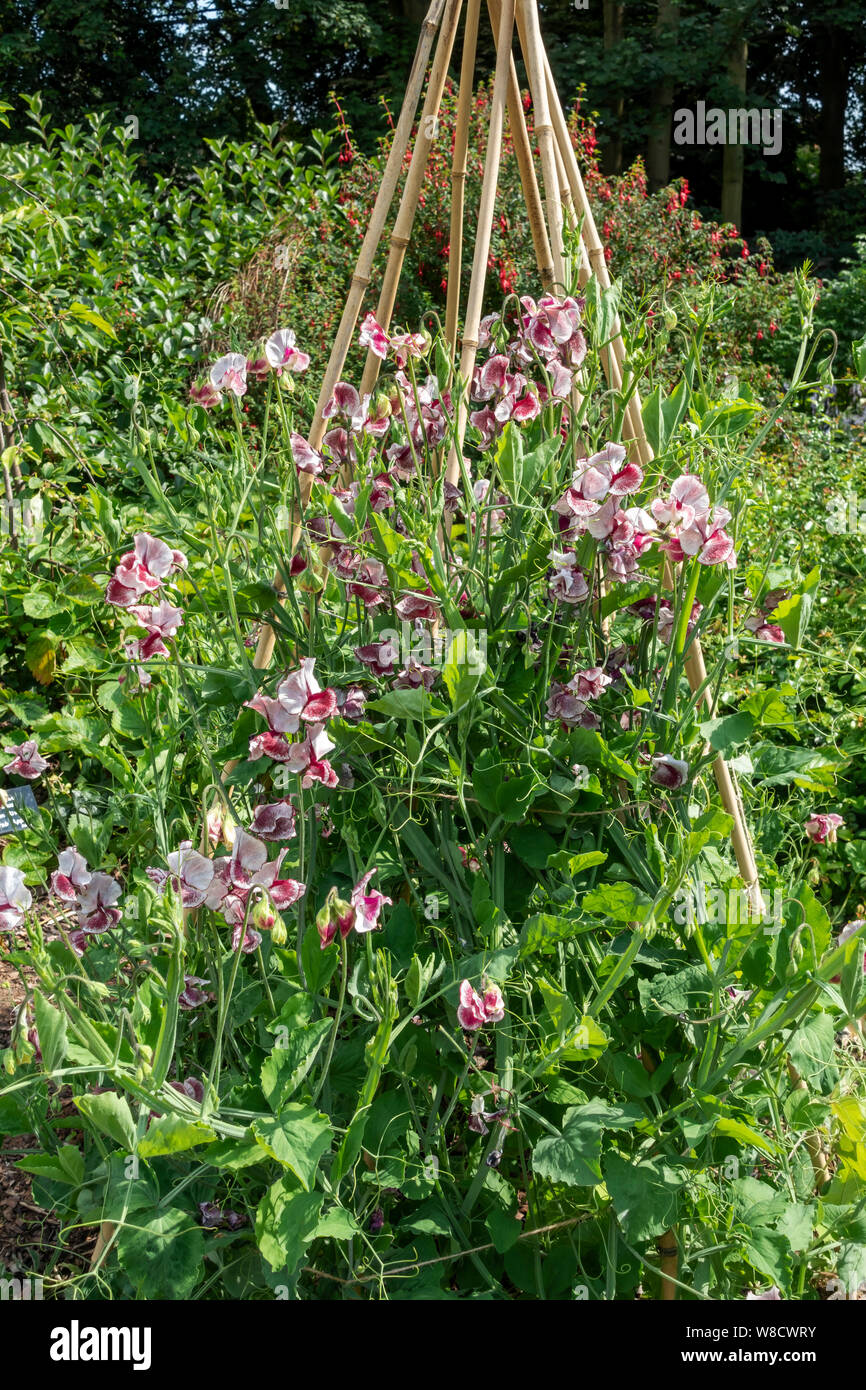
x=558, y=200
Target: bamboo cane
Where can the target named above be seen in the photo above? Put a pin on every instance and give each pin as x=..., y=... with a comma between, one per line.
x=485, y=227
x=529, y=33
x=526, y=167
x=459, y=171
x=357, y=289
x=402, y=231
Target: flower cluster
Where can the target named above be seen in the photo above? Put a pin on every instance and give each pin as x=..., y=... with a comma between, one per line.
x=474, y=1010
x=224, y=885
x=532, y=359
x=570, y=703
x=232, y=371
x=299, y=706
x=362, y=912
x=142, y=572
x=93, y=895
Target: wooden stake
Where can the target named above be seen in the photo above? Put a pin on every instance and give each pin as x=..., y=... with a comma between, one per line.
x=526, y=167
x=533, y=54
x=427, y=132
x=458, y=172
x=357, y=289
x=485, y=227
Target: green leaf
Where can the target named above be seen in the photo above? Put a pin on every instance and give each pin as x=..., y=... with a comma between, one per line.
x=621, y=902
x=504, y=1229
x=111, y=1114
x=793, y=614
x=170, y=1134
x=292, y=1057
x=337, y=1224
x=742, y=1133
x=38, y=604
x=542, y=932
x=686, y=991
x=286, y=1220
x=81, y=311
x=51, y=1027
x=408, y=704
x=574, y=1157
x=162, y=1253
x=509, y=462
x=297, y=1139
x=770, y=1253
x=645, y=1195
x=728, y=732
x=66, y=1166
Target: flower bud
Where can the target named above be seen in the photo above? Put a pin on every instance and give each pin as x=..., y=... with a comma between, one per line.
x=263, y=915
x=381, y=407
x=670, y=320
x=279, y=935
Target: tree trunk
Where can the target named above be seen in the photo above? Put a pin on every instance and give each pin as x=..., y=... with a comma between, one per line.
x=834, y=69
x=734, y=157
x=614, y=25
x=658, y=158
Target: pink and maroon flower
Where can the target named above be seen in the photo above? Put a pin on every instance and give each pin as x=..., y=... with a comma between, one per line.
x=368, y=906
x=821, y=829
x=275, y=821
x=71, y=876
x=282, y=353
x=474, y=1010
x=27, y=761
x=15, y=898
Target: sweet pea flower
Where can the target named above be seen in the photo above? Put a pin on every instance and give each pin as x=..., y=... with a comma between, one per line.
x=372, y=336
x=381, y=657
x=258, y=368
x=229, y=373
x=771, y=1295
x=275, y=821
x=252, y=939
x=28, y=761
x=367, y=906
x=589, y=684
x=189, y=872
x=71, y=876
x=248, y=864
x=283, y=355
x=205, y=395
x=298, y=697
x=474, y=1010
x=96, y=910
x=670, y=773
x=687, y=499
x=142, y=570
x=568, y=583
x=822, y=829
x=15, y=899
x=307, y=459
x=191, y=997
x=192, y=1088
